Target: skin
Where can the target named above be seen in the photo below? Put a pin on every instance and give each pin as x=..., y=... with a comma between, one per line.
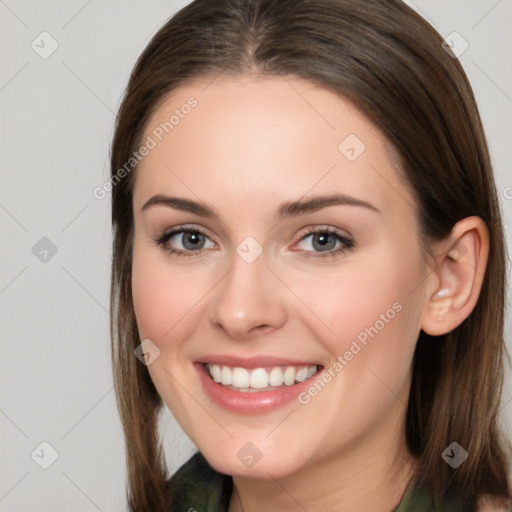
x=250, y=144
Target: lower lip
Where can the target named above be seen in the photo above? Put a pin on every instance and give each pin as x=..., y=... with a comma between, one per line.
x=257, y=402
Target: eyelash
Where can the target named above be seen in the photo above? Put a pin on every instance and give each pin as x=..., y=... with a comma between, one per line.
x=347, y=243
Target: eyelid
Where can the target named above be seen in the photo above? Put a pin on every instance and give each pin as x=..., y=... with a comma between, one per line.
x=167, y=233
x=327, y=228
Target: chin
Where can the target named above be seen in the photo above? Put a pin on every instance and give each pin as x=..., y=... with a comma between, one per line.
x=245, y=460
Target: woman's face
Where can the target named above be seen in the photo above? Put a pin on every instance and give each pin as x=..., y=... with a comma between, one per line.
x=338, y=287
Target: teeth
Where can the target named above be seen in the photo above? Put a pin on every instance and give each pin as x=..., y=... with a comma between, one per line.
x=226, y=376
x=302, y=375
x=240, y=377
x=289, y=376
x=216, y=372
x=275, y=377
x=260, y=378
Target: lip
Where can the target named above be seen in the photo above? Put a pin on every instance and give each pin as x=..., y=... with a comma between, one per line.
x=253, y=362
x=259, y=402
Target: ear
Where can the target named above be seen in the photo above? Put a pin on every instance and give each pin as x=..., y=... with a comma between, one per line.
x=454, y=286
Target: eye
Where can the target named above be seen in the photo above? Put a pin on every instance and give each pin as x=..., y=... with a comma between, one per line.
x=325, y=242
x=184, y=242
x=190, y=242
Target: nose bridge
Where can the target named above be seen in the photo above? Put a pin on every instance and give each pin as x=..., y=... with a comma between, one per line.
x=246, y=297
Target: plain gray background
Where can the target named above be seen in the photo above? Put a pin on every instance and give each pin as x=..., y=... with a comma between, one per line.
x=57, y=116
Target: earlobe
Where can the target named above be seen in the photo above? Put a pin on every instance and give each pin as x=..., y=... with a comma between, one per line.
x=458, y=277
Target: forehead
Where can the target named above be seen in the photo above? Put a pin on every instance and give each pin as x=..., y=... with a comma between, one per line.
x=248, y=139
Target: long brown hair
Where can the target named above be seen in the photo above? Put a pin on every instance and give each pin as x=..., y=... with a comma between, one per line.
x=389, y=62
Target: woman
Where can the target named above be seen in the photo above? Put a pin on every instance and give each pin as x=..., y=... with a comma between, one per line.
x=308, y=264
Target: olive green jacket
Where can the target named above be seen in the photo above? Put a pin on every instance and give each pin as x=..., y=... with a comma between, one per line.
x=197, y=487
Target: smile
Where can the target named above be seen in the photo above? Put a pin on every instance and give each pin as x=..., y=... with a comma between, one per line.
x=250, y=380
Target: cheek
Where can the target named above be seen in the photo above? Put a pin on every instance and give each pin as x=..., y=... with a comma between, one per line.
x=166, y=308
x=373, y=321
x=163, y=298
x=356, y=301
x=372, y=316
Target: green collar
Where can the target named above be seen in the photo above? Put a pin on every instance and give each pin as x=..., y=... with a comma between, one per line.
x=197, y=487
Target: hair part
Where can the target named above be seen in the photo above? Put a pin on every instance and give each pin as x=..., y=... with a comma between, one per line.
x=366, y=51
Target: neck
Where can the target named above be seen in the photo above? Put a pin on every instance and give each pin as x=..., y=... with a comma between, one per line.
x=370, y=477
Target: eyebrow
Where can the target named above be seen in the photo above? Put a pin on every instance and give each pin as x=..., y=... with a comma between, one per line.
x=287, y=209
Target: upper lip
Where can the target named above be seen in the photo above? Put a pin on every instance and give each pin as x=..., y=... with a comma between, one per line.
x=253, y=361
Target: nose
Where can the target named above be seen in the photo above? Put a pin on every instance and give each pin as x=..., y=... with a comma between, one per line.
x=247, y=302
